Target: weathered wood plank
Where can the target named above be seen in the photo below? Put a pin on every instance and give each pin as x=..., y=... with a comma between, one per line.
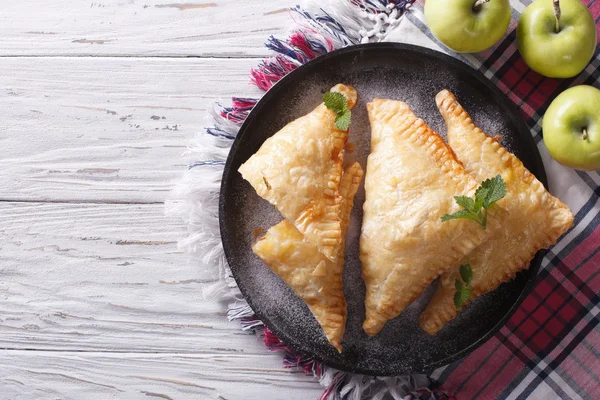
x=140, y=27
x=105, y=277
x=105, y=129
x=72, y=376
x=107, y=282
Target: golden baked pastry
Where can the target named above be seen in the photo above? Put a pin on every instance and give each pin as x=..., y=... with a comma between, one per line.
x=298, y=170
x=412, y=176
x=535, y=218
x=312, y=276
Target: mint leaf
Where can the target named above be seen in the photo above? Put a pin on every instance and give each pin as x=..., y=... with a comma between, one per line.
x=462, y=294
x=480, y=195
x=457, y=300
x=496, y=190
x=465, y=202
x=466, y=273
x=458, y=285
x=479, y=203
x=463, y=289
x=489, y=192
x=460, y=214
x=342, y=121
x=335, y=101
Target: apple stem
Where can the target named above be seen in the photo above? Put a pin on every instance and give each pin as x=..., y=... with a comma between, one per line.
x=478, y=4
x=585, y=134
x=557, y=14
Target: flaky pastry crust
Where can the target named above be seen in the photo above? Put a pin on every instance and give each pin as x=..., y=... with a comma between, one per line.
x=535, y=220
x=298, y=170
x=312, y=276
x=412, y=176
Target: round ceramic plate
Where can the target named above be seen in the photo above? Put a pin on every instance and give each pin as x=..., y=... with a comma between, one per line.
x=386, y=70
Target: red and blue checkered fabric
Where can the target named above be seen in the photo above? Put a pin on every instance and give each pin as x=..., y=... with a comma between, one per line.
x=550, y=348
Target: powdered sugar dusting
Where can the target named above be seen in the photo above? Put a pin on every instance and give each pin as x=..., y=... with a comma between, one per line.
x=401, y=347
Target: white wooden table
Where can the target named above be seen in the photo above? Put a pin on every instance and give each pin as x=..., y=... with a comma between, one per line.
x=98, y=100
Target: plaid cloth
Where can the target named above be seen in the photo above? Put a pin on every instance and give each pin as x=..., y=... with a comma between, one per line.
x=550, y=348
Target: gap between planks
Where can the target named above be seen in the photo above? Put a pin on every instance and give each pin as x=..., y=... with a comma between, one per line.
x=241, y=64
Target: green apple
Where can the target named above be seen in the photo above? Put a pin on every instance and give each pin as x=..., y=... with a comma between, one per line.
x=467, y=26
x=571, y=128
x=552, y=52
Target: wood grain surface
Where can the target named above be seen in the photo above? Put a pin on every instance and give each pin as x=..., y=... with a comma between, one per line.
x=150, y=28
x=30, y=375
x=106, y=129
x=98, y=101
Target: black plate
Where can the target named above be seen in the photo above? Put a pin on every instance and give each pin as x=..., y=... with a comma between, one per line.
x=386, y=70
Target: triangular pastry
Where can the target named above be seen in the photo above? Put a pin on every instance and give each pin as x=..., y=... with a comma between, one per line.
x=311, y=275
x=535, y=218
x=298, y=170
x=412, y=176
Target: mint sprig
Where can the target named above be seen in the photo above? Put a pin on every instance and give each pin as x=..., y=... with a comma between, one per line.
x=463, y=286
x=337, y=103
x=476, y=209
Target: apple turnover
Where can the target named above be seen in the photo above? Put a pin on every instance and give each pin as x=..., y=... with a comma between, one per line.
x=298, y=170
x=535, y=218
x=412, y=176
x=312, y=276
